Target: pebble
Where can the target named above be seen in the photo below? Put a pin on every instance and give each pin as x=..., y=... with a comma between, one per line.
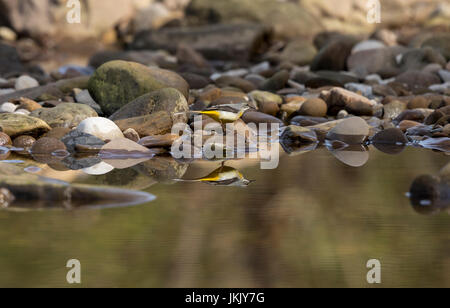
x=74, y=139
x=232, y=73
x=22, y=111
x=391, y=136
x=47, y=146
x=350, y=131
x=101, y=128
x=4, y=139
x=6, y=91
x=132, y=134
x=163, y=141
x=84, y=97
x=419, y=102
x=314, y=107
x=259, y=68
x=440, y=87
x=26, y=82
x=24, y=142
x=445, y=75
x=407, y=124
x=368, y=45
x=8, y=108
x=364, y=89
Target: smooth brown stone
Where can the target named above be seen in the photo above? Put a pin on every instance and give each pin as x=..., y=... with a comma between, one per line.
x=162, y=141
x=158, y=123
x=407, y=124
x=4, y=139
x=47, y=146
x=28, y=104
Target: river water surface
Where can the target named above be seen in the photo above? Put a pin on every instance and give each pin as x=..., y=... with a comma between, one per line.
x=312, y=222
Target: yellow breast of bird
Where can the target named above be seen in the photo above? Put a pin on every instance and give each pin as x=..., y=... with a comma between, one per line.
x=223, y=176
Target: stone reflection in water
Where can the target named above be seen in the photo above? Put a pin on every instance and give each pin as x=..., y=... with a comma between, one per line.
x=223, y=176
x=431, y=194
x=163, y=169
x=24, y=191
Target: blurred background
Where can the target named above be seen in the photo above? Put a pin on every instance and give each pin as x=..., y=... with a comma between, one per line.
x=40, y=30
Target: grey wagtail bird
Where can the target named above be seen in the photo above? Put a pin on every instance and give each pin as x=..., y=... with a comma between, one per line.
x=224, y=114
x=223, y=176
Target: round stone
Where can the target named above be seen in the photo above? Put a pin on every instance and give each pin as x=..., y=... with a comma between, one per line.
x=101, y=128
x=26, y=82
x=48, y=146
x=314, y=107
x=4, y=139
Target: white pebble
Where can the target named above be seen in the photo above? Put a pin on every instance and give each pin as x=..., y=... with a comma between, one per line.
x=233, y=73
x=365, y=90
x=445, y=75
x=101, y=128
x=440, y=87
x=22, y=111
x=368, y=45
x=8, y=108
x=26, y=82
x=259, y=68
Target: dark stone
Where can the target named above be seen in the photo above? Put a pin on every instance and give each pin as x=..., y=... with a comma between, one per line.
x=334, y=56
x=276, y=82
x=74, y=138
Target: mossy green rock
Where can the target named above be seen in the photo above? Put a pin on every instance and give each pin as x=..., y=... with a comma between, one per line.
x=17, y=124
x=169, y=100
x=117, y=83
x=67, y=115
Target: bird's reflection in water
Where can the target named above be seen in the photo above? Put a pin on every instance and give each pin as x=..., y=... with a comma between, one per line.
x=223, y=176
x=429, y=194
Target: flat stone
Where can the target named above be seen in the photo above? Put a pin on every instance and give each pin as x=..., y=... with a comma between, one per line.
x=75, y=138
x=16, y=124
x=68, y=115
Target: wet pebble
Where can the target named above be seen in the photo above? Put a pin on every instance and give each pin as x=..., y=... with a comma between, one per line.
x=276, y=82
x=391, y=136
x=24, y=142
x=350, y=131
x=47, y=146
x=4, y=139
x=74, y=139
x=101, y=128
x=314, y=107
x=407, y=124
x=132, y=135
x=162, y=141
